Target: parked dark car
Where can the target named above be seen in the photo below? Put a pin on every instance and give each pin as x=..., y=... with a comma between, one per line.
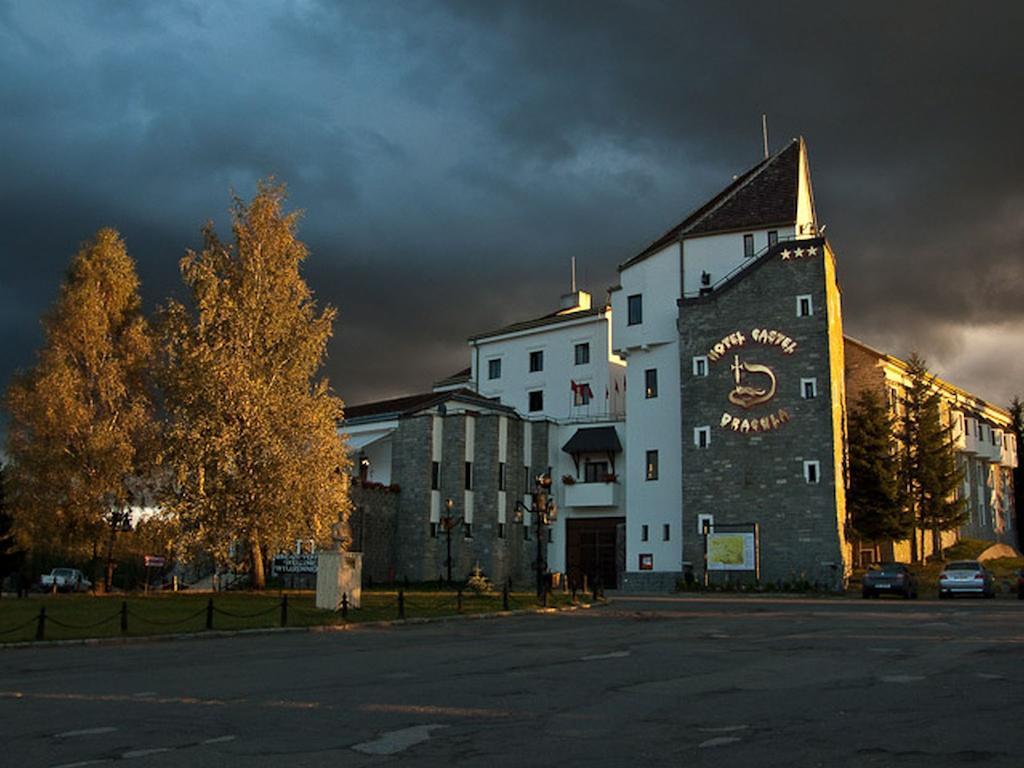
x=966, y=577
x=889, y=579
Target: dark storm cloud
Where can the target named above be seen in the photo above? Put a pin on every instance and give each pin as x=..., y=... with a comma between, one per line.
x=450, y=158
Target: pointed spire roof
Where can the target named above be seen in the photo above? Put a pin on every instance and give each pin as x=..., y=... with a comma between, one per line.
x=764, y=196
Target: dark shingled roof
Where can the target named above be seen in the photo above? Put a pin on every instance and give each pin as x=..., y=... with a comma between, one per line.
x=402, y=406
x=549, y=319
x=764, y=195
x=594, y=440
x=459, y=377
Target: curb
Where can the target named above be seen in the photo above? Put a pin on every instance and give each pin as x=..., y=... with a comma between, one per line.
x=215, y=634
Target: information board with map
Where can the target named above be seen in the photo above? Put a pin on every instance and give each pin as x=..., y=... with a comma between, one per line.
x=731, y=552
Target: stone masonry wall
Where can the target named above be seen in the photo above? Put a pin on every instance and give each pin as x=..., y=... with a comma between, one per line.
x=372, y=525
x=752, y=475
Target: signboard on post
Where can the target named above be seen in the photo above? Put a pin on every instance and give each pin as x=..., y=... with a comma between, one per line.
x=733, y=551
x=154, y=561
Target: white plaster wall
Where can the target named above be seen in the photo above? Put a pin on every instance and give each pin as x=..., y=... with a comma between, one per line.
x=654, y=424
x=558, y=344
x=656, y=278
x=721, y=254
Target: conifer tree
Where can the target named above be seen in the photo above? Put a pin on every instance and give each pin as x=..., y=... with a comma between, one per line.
x=930, y=477
x=81, y=426
x=251, y=429
x=877, y=508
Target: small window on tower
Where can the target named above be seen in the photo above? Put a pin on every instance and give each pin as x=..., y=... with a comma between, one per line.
x=804, y=307
x=501, y=475
x=812, y=472
x=700, y=365
x=748, y=245
x=651, y=383
x=435, y=475
x=652, y=465
x=773, y=237
x=644, y=533
x=702, y=437
x=582, y=354
x=808, y=388
x=536, y=400
x=494, y=369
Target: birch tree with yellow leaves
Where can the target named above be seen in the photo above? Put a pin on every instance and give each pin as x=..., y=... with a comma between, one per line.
x=251, y=425
x=81, y=431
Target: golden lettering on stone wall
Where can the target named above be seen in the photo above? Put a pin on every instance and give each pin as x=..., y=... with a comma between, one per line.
x=753, y=383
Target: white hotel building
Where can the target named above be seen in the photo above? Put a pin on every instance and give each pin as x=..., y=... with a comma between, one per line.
x=612, y=398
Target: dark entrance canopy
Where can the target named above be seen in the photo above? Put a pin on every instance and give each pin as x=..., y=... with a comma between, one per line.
x=593, y=440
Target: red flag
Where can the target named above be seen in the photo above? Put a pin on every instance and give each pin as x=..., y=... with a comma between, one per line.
x=589, y=391
x=574, y=387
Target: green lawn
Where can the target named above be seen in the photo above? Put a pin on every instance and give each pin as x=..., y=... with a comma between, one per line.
x=87, y=616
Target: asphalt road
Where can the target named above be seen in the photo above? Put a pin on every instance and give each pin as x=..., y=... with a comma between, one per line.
x=652, y=682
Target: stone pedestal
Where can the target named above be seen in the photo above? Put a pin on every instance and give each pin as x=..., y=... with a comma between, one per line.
x=337, y=574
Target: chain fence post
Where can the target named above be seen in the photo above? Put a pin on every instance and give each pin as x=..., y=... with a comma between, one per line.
x=124, y=617
x=344, y=605
x=41, y=624
x=284, y=610
x=401, y=604
x=209, y=613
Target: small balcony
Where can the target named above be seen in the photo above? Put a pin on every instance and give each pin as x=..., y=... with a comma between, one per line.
x=599, y=494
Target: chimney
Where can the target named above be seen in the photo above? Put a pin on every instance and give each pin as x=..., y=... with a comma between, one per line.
x=574, y=302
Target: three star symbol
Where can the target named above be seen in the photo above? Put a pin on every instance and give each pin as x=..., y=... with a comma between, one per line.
x=799, y=253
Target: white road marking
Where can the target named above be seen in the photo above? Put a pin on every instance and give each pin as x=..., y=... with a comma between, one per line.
x=393, y=742
x=219, y=740
x=84, y=732
x=990, y=676
x=718, y=741
x=901, y=678
x=144, y=752
x=80, y=763
x=599, y=656
x=724, y=729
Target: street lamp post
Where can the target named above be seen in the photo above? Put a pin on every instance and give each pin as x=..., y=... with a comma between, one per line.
x=545, y=512
x=448, y=523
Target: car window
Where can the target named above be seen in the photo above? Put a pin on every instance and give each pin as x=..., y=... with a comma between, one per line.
x=967, y=565
x=892, y=568
x=62, y=572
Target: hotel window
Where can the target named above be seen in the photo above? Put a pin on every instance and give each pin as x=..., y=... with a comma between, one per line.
x=635, y=309
x=433, y=530
x=527, y=485
x=501, y=475
x=804, y=306
x=652, y=465
x=651, y=383
x=812, y=472
x=702, y=437
x=808, y=388
x=526, y=530
x=501, y=530
x=700, y=365
x=467, y=530
x=536, y=400
x=551, y=534
x=435, y=475
x=469, y=475
x=666, y=532
x=773, y=237
x=595, y=472
x=748, y=246
x=494, y=369
x=582, y=394
x=537, y=361
x=582, y=354
x=643, y=533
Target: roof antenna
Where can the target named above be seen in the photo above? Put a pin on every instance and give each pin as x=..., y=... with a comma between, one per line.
x=572, y=289
x=764, y=132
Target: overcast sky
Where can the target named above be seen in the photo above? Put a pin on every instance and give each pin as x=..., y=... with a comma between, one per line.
x=452, y=157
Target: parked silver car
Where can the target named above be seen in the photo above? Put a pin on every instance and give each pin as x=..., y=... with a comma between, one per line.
x=966, y=577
